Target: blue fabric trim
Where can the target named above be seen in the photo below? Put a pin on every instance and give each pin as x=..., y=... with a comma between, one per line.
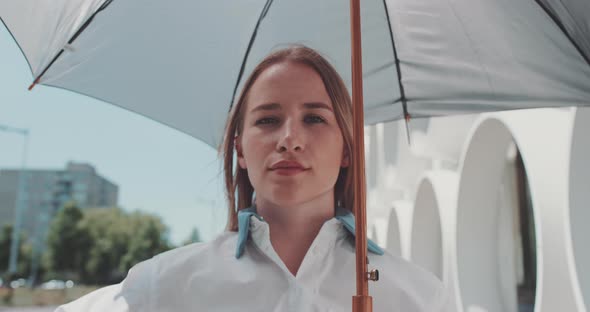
x=244, y=228
x=347, y=219
x=343, y=215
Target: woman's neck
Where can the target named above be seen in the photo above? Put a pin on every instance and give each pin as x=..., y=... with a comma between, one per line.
x=293, y=228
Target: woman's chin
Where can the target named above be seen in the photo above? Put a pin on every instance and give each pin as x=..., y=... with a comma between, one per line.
x=290, y=197
x=286, y=198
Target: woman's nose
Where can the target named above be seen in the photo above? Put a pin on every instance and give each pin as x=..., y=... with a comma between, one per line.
x=290, y=138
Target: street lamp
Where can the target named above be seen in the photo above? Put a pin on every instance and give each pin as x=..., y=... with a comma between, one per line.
x=19, y=204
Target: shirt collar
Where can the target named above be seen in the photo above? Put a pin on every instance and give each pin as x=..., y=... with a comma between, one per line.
x=344, y=216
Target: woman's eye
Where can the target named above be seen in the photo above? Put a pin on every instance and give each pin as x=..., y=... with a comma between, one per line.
x=267, y=121
x=314, y=119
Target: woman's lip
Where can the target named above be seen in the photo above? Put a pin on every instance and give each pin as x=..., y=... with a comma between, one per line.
x=287, y=164
x=289, y=171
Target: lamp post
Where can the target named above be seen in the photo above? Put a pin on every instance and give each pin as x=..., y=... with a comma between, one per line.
x=19, y=204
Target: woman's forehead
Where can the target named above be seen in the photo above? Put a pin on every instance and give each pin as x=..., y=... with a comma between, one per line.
x=287, y=83
x=290, y=75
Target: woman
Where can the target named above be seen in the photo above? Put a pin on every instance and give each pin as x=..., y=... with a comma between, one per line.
x=289, y=244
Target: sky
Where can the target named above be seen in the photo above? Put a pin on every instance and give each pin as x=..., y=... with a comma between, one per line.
x=159, y=170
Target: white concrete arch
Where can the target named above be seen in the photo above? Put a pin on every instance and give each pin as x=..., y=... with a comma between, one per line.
x=372, y=233
x=446, y=137
x=426, y=248
x=393, y=240
x=542, y=138
x=433, y=228
x=379, y=231
x=579, y=212
x=402, y=212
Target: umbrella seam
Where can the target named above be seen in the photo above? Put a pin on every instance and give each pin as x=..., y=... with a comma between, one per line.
x=396, y=59
x=399, y=75
x=470, y=40
x=561, y=27
x=74, y=37
x=247, y=54
x=17, y=44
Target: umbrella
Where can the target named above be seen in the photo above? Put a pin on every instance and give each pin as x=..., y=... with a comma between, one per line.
x=181, y=62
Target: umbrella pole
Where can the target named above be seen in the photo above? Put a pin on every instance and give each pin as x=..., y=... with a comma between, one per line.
x=362, y=302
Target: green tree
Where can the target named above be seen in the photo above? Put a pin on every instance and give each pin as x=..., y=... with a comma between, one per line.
x=5, y=242
x=147, y=238
x=108, y=242
x=194, y=237
x=66, y=241
x=118, y=241
x=24, y=256
x=100, y=245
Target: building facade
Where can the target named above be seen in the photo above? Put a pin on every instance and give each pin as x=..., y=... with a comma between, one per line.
x=495, y=205
x=46, y=191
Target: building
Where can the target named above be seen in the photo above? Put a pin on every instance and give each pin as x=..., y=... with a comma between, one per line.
x=46, y=191
x=495, y=205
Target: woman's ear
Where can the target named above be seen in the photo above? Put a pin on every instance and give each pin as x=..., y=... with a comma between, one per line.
x=345, y=159
x=241, y=159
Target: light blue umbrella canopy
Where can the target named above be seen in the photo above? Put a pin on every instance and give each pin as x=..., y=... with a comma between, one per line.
x=181, y=62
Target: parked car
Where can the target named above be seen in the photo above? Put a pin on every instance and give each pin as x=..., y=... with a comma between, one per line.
x=21, y=282
x=53, y=284
x=57, y=284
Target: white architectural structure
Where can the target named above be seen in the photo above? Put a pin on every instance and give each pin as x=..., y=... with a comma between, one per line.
x=495, y=205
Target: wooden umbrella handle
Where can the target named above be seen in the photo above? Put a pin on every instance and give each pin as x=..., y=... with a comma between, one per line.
x=362, y=302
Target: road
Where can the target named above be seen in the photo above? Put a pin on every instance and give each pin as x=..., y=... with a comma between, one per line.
x=27, y=309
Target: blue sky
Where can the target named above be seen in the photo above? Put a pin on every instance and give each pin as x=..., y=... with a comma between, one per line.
x=158, y=169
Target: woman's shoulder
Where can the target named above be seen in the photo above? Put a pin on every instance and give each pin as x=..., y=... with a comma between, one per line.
x=220, y=241
x=193, y=254
x=129, y=295
x=402, y=270
x=415, y=283
x=135, y=291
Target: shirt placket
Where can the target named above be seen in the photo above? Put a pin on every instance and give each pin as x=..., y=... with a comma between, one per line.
x=294, y=298
x=305, y=286
x=311, y=272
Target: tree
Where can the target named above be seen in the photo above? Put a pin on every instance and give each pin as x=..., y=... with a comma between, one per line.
x=66, y=240
x=194, y=237
x=108, y=242
x=147, y=239
x=100, y=244
x=118, y=241
x=24, y=256
x=5, y=242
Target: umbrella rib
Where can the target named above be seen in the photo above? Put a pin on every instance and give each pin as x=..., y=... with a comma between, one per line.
x=399, y=74
x=17, y=44
x=74, y=37
x=83, y=27
x=247, y=54
x=559, y=24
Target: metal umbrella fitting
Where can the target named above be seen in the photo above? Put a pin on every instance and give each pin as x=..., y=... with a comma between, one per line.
x=182, y=62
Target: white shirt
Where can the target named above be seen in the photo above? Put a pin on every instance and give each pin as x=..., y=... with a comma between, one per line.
x=217, y=276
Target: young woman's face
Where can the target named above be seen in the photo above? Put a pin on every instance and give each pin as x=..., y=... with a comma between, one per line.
x=291, y=144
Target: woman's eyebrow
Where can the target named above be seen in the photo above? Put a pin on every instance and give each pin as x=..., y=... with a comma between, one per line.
x=314, y=105
x=277, y=106
x=266, y=107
